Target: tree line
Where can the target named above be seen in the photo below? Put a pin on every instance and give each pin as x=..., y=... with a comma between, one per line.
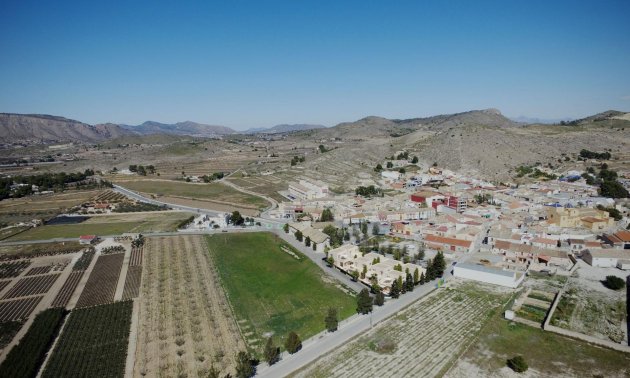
x=46, y=181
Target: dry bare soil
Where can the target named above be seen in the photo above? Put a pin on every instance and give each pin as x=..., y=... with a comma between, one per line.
x=421, y=341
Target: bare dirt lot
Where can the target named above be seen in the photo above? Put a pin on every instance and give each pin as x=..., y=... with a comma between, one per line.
x=186, y=325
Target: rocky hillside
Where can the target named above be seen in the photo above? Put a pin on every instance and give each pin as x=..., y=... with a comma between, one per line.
x=47, y=129
x=378, y=127
x=180, y=128
x=479, y=142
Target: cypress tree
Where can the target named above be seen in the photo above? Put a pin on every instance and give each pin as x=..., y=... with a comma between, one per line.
x=244, y=366
x=409, y=282
x=394, y=291
x=401, y=285
x=439, y=264
x=332, y=323
x=272, y=352
x=293, y=343
x=416, y=276
x=379, y=299
x=364, y=302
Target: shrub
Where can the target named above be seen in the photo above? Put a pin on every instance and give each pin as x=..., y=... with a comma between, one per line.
x=517, y=364
x=614, y=283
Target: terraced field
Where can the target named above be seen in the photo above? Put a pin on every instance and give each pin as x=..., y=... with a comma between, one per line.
x=421, y=341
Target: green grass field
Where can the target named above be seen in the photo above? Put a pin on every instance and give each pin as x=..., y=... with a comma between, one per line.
x=272, y=291
x=107, y=225
x=212, y=191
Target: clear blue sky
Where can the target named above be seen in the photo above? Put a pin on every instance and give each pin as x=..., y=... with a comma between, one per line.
x=260, y=63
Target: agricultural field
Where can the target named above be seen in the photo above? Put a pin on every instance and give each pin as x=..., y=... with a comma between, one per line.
x=108, y=225
x=13, y=269
x=39, y=270
x=134, y=274
x=101, y=285
x=18, y=308
x=547, y=354
x=186, y=325
x=7, y=331
x=93, y=343
x=6, y=233
x=42, y=207
x=421, y=341
x=24, y=359
x=132, y=282
x=4, y=284
x=273, y=292
x=110, y=196
x=31, y=286
x=84, y=261
x=15, y=252
x=215, y=192
x=65, y=293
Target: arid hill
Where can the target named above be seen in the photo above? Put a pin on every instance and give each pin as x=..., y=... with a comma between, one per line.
x=180, y=128
x=47, y=129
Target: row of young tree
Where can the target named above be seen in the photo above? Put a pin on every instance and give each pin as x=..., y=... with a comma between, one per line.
x=246, y=364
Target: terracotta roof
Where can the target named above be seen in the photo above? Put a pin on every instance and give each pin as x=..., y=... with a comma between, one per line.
x=623, y=236
x=593, y=243
x=87, y=237
x=450, y=241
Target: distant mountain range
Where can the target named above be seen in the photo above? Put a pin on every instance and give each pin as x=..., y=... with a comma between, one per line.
x=47, y=129
x=180, y=128
x=284, y=128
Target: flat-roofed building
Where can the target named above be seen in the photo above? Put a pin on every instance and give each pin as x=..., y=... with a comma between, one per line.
x=488, y=274
x=308, y=189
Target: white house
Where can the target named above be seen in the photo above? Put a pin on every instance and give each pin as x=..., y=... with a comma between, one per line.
x=307, y=189
x=488, y=274
x=605, y=257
